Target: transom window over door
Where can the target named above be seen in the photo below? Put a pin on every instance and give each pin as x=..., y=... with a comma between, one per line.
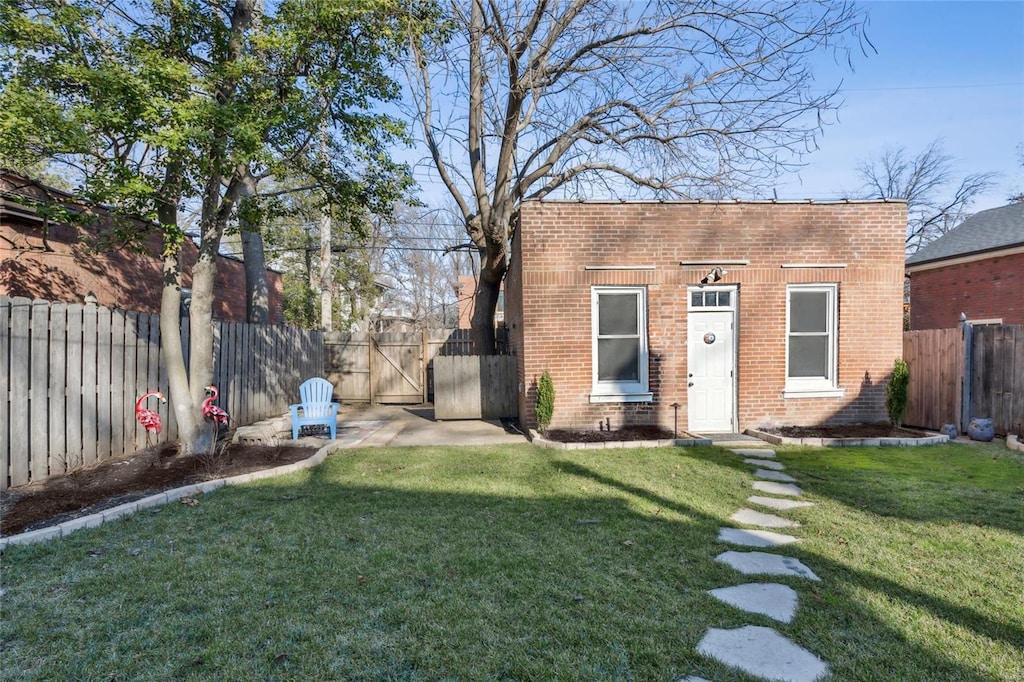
x=811, y=312
x=619, y=331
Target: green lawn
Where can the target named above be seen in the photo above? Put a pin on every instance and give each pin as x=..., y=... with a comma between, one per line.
x=520, y=563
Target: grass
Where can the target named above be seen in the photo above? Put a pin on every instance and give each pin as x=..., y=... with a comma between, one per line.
x=529, y=564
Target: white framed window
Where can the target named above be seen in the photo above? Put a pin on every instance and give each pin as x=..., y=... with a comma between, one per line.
x=811, y=321
x=619, y=335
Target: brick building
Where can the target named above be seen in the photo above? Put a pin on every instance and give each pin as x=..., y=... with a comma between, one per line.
x=465, y=291
x=742, y=314
x=44, y=258
x=976, y=269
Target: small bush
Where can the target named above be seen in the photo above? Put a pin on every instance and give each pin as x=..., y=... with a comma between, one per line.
x=545, y=400
x=896, y=392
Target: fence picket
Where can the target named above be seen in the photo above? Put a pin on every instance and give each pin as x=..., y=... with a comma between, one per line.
x=73, y=387
x=56, y=448
x=103, y=352
x=5, y=390
x=117, y=385
x=39, y=403
x=89, y=371
x=19, y=380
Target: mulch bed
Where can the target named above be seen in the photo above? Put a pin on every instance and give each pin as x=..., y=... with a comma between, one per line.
x=624, y=434
x=882, y=430
x=114, y=482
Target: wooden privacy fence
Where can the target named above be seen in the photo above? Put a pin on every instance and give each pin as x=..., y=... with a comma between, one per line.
x=935, y=358
x=70, y=375
x=972, y=371
x=475, y=387
x=392, y=368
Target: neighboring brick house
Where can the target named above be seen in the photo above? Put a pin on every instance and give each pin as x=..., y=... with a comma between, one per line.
x=743, y=313
x=977, y=269
x=61, y=268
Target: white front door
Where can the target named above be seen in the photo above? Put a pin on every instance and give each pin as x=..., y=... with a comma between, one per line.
x=710, y=368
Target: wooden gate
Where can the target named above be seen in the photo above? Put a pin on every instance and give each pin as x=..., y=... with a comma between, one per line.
x=935, y=358
x=396, y=369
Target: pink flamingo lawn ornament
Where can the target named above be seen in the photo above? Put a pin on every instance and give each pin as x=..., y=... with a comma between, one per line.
x=149, y=419
x=211, y=412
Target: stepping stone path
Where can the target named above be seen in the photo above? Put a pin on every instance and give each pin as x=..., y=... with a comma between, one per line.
x=754, y=538
x=756, y=518
x=762, y=651
x=774, y=476
x=770, y=599
x=776, y=503
x=763, y=563
x=778, y=488
x=765, y=463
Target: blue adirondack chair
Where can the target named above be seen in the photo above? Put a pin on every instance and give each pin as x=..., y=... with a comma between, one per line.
x=316, y=406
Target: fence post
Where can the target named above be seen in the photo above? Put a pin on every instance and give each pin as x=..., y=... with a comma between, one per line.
x=965, y=402
x=424, y=361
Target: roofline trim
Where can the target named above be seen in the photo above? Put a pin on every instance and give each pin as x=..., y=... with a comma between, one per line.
x=714, y=202
x=967, y=258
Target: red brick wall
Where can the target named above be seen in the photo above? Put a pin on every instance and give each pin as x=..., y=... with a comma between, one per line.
x=984, y=289
x=550, y=298
x=121, y=278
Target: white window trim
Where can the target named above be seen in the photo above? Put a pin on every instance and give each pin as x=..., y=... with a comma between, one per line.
x=816, y=387
x=620, y=391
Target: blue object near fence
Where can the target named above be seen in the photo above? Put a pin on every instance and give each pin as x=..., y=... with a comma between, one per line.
x=316, y=407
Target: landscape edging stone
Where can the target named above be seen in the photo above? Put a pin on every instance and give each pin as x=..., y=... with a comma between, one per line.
x=99, y=518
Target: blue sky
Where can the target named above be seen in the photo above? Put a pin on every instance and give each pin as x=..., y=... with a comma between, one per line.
x=952, y=71
x=949, y=70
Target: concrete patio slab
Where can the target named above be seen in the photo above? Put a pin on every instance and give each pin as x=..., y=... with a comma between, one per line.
x=763, y=652
x=768, y=599
x=765, y=463
x=754, y=452
x=763, y=563
x=750, y=517
x=774, y=476
x=754, y=538
x=777, y=503
x=777, y=488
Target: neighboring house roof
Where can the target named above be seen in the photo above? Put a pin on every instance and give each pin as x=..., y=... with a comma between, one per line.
x=996, y=228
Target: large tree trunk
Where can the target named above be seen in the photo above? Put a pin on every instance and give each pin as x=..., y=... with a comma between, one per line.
x=257, y=287
x=185, y=410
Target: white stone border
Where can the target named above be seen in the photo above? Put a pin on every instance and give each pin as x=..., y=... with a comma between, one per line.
x=1013, y=442
x=167, y=496
x=775, y=439
x=537, y=439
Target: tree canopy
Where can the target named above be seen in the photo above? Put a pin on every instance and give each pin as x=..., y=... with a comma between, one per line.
x=158, y=106
x=527, y=100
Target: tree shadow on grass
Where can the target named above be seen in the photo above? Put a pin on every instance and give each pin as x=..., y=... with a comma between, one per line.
x=307, y=577
x=845, y=580
x=933, y=495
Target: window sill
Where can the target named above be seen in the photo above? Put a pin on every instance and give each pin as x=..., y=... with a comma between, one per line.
x=814, y=393
x=622, y=397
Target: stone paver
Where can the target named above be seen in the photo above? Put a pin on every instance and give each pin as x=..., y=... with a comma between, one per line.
x=765, y=463
x=774, y=476
x=754, y=538
x=777, y=488
x=754, y=452
x=763, y=652
x=769, y=599
x=763, y=563
x=750, y=517
x=777, y=503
